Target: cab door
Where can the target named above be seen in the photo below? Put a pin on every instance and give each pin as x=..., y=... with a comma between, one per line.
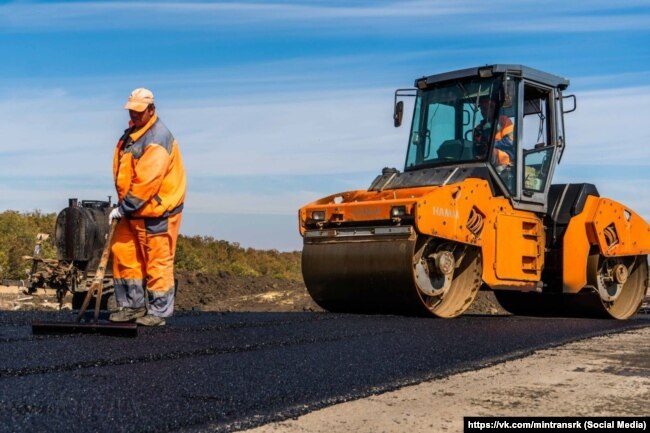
x=539, y=143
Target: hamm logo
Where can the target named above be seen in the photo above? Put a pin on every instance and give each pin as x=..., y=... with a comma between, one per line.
x=445, y=212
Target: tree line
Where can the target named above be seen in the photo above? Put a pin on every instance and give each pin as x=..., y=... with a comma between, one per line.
x=18, y=231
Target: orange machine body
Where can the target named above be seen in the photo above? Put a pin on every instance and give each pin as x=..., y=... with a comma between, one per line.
x=512, y=241
x=608, y=225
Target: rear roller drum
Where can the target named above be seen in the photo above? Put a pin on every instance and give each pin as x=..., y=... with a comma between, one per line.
x=620, y=283
x=616, y=288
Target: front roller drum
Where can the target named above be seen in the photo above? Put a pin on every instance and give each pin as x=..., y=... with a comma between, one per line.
x=394, y=272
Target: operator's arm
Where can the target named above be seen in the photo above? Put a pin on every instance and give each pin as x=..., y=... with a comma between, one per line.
x=504, y=138
x=506, y=145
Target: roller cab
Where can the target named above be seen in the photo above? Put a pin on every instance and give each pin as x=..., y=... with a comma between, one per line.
x=474, y=208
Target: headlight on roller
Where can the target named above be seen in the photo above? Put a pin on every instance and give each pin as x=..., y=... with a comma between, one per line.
x=318, y=216
x=397, y=211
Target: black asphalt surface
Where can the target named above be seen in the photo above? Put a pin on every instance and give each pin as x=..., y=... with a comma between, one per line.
x=230, y=371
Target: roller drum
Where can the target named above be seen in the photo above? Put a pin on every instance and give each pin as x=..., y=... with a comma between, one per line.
x=373, y=270
x=352, y=275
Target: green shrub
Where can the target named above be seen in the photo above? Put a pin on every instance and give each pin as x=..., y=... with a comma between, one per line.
x=206, y=254
x=193, y=253
x=18, y=238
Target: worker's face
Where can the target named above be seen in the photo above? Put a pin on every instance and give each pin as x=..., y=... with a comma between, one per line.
x=140, y=118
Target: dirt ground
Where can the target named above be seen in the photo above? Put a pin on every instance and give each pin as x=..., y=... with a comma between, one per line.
x=218, y=292
x=231, y=293
x=195, y=291
x=224, y=292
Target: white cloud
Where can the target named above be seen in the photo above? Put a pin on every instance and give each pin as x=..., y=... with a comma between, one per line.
x=49, y=198
x=449, y=15
x=64, y=141
x=89, y=15
x=609, y=128
x=280, y=134
x=587, y=23
x=69, y=140
x=55, y=134
x=328, y=133
x=273, y=134
x=249, y=202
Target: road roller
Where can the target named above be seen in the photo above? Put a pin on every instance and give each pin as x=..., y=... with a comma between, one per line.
x=474, y=208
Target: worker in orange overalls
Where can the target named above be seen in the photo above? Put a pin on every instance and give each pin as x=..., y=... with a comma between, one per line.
x=150, y=183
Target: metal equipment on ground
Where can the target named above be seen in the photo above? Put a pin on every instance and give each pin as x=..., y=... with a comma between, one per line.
x=79, y=237
x=474, y=208
x=95, y=291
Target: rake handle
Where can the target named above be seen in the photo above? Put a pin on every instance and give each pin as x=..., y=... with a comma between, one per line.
x=97, y=285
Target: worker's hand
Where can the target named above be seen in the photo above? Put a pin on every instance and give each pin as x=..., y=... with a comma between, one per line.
x=115, y=214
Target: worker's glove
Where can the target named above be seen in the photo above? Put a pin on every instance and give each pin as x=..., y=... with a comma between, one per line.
x=115, y=214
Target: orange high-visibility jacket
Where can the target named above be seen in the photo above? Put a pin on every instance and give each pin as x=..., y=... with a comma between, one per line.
x=505, y=128
x=148, y=172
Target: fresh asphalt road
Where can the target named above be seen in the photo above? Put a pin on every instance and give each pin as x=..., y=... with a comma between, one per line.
x=225, y=372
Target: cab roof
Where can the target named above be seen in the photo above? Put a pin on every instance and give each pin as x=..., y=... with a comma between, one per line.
x=489, y=70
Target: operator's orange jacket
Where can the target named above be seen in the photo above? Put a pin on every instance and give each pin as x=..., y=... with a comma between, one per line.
x=505, y=128
x=148, y=172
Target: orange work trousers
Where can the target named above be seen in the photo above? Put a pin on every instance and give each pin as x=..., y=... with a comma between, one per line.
x=143, y=263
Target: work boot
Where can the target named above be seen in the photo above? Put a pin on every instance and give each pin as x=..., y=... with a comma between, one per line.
x=150, y=320
x=127, y=314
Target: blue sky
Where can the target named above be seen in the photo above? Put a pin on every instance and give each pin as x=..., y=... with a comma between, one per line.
x=276, y=104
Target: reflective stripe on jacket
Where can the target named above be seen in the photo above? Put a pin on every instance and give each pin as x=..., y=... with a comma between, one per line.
x=148, y=171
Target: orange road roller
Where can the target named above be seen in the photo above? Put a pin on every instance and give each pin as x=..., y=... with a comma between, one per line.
x=474, y=209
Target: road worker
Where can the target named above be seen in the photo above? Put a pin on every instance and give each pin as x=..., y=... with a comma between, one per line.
x=150, y=181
